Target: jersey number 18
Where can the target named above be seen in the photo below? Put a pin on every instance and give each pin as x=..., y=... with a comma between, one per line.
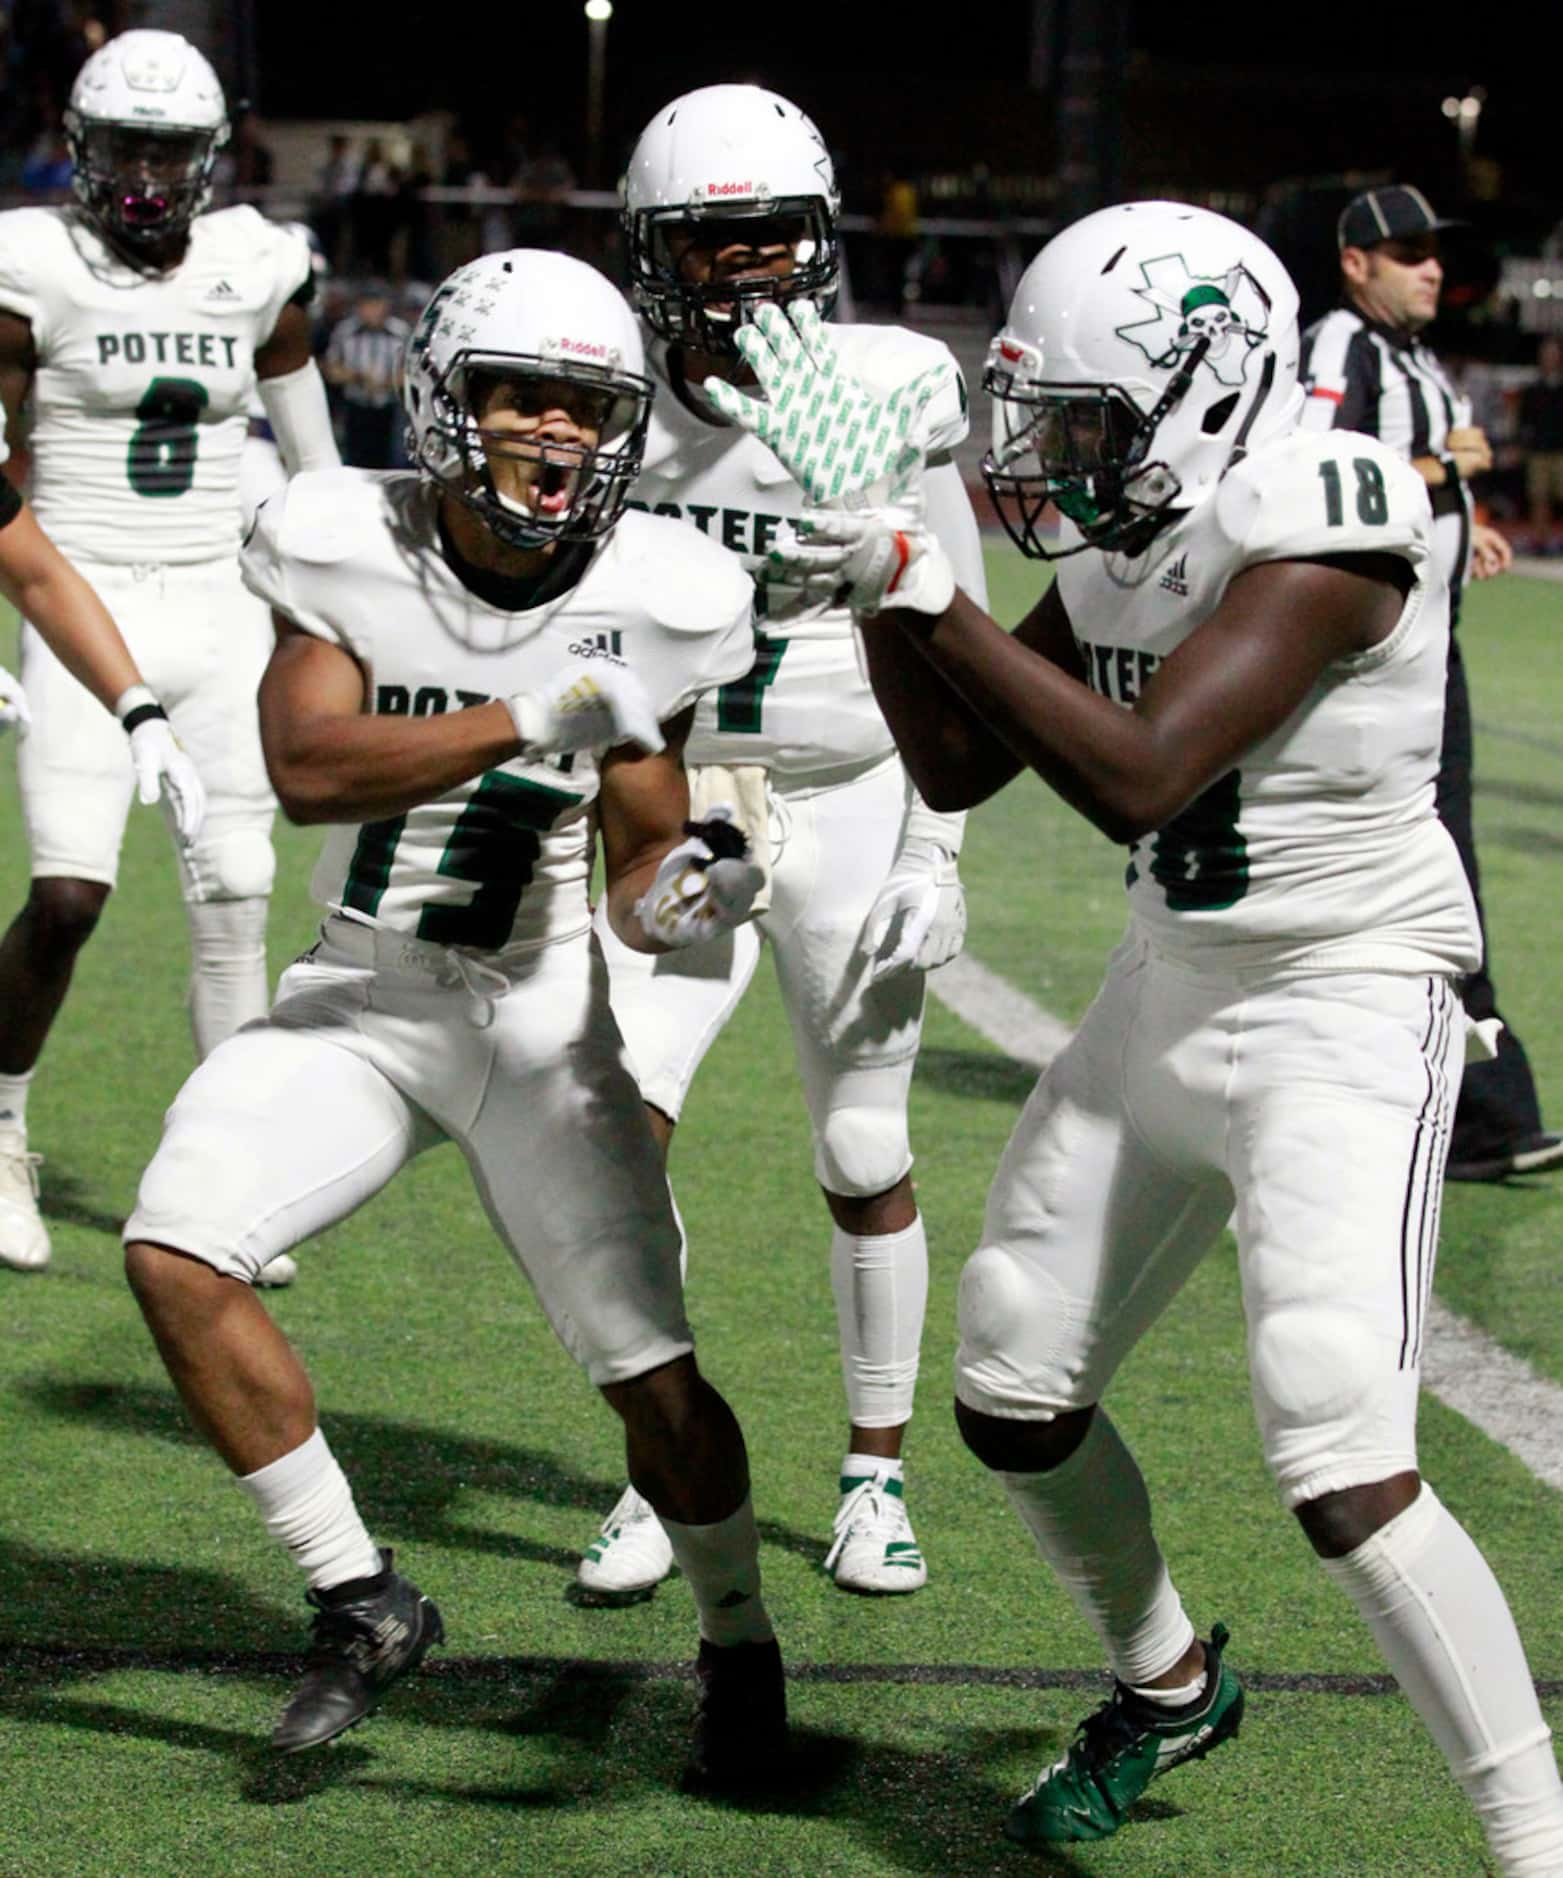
x=1372, y=498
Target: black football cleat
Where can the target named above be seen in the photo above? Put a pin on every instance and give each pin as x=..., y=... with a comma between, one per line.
x=740, y=1737
x=363, y=1642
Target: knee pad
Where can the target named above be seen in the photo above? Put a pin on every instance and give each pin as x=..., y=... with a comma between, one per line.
x=239, y=864
x=1009, y=1312
x=862, y=1150
x=1334, y=1409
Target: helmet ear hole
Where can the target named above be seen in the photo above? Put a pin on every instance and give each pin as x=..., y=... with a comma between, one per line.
x=1219, y=415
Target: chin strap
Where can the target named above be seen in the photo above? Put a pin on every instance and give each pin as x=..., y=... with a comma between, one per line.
x=1266, y=381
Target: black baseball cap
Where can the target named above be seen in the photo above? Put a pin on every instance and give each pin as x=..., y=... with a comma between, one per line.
x=1394, y=213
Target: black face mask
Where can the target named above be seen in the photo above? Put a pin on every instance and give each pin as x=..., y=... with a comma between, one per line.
x=706, y=315
x=143, y=187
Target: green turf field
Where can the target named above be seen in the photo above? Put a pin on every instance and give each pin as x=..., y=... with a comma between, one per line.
x=147, y=1624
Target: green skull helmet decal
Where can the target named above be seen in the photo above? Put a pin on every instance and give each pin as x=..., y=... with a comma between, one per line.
x=1229, y=311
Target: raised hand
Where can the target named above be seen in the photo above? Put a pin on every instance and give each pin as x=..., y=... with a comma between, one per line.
x=838, y=440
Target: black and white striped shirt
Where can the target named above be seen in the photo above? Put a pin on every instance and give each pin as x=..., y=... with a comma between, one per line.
x=1359, y=376
x=373, y=354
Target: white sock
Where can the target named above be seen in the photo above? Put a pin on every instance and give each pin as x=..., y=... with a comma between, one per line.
x=306, y=1502
x=1445, y=1629
x=722, y=1564
x=858, y=1467
x=881, y=1286
x=228, y=975
x=1091, y=1519
x=1178, y=1697
x=13, y=1100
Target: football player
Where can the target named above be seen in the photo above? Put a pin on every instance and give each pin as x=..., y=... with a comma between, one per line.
x=137, y=327
x=1238, y=673
x=731, y=204
x=479, y=665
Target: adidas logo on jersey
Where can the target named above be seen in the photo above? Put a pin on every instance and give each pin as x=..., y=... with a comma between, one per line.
x=222, y=291
x=1176, y=578
x=608, y=645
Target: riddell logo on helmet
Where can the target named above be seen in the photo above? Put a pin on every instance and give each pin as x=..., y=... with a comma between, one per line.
x=585, y=348
x=731, y=189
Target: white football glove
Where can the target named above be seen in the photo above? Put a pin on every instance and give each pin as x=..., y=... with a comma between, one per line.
x=919, y=918
x=586, y=707
x=164, y=773
x=835, y=438
x=866, y=559
x=705, y=886
x=13, y=705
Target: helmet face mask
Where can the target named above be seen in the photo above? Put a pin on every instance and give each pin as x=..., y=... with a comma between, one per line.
x=548, y=450
x=525, y=397
x=699, y=276
x=1149, y=347
x=139, y=183
x=1080, y=447
x=730, y=200
x=144, y=124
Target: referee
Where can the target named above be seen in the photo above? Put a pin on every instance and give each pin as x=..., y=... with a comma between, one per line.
x=364, y=361
x=1366, y=369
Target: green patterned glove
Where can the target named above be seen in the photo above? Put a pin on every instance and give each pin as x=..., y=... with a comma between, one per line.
x=837, y=439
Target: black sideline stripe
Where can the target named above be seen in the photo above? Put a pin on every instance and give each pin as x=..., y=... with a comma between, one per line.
x=39, y=1661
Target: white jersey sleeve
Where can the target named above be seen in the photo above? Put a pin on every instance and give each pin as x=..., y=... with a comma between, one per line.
x=20, y=239
x=1318, y=494
x=291, y=268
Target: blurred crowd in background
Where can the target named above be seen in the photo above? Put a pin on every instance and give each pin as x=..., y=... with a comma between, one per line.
x=393, y=208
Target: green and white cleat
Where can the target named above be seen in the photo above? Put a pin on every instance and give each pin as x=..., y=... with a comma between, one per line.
x=873, y=1548
x=629, y=1558
x=1120, y=1750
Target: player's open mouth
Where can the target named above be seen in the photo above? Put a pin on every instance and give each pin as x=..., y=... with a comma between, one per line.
x=552, y=490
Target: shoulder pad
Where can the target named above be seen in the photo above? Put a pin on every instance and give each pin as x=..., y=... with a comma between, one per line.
x=328, y=514
x=1317, y=493
x=883, y=357
x=319, y=519
x=687, y=583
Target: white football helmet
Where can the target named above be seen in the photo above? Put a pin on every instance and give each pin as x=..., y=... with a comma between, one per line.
x=1148, y=348
x=534, y=330
x=719, y=161
x=144, y=124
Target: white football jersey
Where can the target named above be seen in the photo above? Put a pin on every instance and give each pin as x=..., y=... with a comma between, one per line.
x=138, y=404
x=354, y=557
x=805, y=709
x=1322, y=849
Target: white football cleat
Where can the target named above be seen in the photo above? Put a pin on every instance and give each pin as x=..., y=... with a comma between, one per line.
x=630, y=1556
x=874, y=1549
x=281, y=1271
x=24, y=1239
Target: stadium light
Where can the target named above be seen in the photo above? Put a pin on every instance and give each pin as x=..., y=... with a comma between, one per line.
x=598, y=14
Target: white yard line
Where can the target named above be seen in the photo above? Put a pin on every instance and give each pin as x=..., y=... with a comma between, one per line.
x=1494, y=1390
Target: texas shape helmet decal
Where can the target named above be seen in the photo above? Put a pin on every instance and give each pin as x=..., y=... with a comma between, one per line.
x=1231, y=311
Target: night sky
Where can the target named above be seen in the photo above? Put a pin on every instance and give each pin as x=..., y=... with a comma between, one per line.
x=355, y=59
